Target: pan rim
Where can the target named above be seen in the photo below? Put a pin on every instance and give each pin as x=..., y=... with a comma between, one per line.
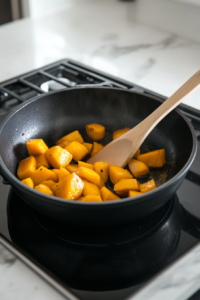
x=137, y=199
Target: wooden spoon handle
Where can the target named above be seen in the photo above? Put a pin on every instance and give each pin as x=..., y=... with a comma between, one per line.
x=148, y=124
x=121, y=150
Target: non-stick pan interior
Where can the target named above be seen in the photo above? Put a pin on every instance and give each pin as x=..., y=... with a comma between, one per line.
x=52, y=116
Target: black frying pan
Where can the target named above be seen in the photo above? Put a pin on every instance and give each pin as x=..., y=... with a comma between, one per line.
x=54, y=115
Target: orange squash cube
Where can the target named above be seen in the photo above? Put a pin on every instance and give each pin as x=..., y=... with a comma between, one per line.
x=58, y=157
x=133, y=193
x=72, y=168
x=64, y=144
x=95, y=131
x=102, y=169
x=147, y=186
x=71, y=137
x=44, y=189
x=26, y=167
x=63, y=173
x=83, y=164
x=56, y=171
x=101, y=183
x=153, y=159
x=43, y=174
x=54, y=188
x=125, y=185
x=77, y=150
x=137, y=153
x=88, y=146
x=96, y=148
x=90, y=189
x=82, y=197
x=28, y=182
x=117, y=173
x=138, y=168
x=119, y=132
x=107, y=195
x=48, y=183
x=70, y=188
x=90, y=198
x=89, y=175
x=36, y=147
x=42, y=161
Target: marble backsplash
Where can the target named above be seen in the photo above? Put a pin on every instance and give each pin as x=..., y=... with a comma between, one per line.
x=176, y=16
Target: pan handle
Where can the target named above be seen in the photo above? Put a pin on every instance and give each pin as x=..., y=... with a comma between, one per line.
x=4, y=181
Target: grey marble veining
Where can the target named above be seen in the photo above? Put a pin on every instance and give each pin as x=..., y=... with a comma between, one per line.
x=115, y=44
x=18, y=281
x=145, y=68
x=103, y=35
x=114, y=51
x=177, y=282
x=7, y=259
x=108, y=40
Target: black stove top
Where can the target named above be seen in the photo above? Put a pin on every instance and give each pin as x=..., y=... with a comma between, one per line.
x=101, y=264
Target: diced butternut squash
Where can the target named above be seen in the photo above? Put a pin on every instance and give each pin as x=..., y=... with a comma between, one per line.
x=56, y=171
x=88, y=146
x=89, y=175
x=90, y=198
x=44, y=189
x=119, y=132
x=72, y=168
x=54, y=188
x=26, y=167
x=137, y=153
x=95, y=131
x=43, y=174
x=64, y=144
x=101, y=168
x=85, y=182
x=28, y=182
x=71, y=137
x=48, y=183
x=125, y=185
x=77, y=150
x=42, y=161
x=138, y=168
x=80, y=198
x=133, y=193
x=58, y=157
x=83, y=164
x=107, y=195
x=153, y=159
x=36, y=147
x=96, y=148
x=90, y=189
x=117, y=173
x=101, y=183
x=70, y=188
x=63, y=173
x=147, y=186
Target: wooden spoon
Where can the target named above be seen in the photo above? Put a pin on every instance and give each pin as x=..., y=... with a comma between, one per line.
x=121, y=150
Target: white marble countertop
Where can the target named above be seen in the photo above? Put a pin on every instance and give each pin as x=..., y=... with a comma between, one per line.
x=21, y=279
x=104, y=35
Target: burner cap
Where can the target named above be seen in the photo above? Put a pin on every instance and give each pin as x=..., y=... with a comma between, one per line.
x=52, y=85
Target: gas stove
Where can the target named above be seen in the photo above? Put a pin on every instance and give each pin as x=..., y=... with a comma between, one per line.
x=100, y=264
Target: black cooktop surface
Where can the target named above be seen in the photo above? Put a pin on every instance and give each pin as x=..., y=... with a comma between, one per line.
x=98, y=264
